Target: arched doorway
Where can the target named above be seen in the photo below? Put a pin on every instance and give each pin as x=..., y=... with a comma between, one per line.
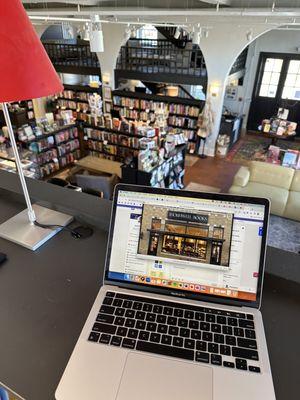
x=160, y=65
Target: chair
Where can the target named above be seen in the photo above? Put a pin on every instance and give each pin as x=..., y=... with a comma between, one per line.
x=104, y=183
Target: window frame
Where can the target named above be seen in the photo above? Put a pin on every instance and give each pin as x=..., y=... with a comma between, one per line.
x=286, y=57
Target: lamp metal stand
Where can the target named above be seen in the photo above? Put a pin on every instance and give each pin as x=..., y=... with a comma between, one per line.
x=20, y=228
x=31, y=213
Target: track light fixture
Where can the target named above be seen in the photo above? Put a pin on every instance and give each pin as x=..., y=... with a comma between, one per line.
x=177, y=32
x=249, y=35
x=127, y=33
x=197, y=35
x=205, y=33
x=133, y=32
x=86, y=32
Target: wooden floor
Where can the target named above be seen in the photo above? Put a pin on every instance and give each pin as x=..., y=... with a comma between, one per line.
x=211, y=171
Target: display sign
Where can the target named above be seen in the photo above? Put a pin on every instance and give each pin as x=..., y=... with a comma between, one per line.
x=183, y=216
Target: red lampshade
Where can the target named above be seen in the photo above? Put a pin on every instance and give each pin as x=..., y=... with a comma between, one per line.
x=26, y=71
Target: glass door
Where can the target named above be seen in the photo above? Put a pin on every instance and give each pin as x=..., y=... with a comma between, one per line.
x=277, y=84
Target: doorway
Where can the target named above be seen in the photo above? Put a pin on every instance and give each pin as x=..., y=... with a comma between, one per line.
x=277, y=84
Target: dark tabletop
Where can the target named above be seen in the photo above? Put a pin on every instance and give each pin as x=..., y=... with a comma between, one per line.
x=46, y=296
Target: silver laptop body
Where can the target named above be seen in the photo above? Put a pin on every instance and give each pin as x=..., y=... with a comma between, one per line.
x=192, y=265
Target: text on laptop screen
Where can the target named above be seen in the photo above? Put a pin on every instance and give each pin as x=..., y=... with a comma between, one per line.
x=197, y=245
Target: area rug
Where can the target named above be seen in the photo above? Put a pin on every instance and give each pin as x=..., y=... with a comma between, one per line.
x=198, y=187
x=253, y=148
x=284, y=234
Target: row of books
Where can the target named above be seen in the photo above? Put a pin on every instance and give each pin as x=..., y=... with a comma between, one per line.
x=137, y=115
x=42, y=145
x=119, y=139
x=69, y=158
x=128, y=113
x=73, y=105
x=46, y=157
x=71, y=133
x=151, y=105
x=126, y=102
x=147, y=116
x=182, y=122
x=287, y=158
x=71, y=95
x=128, y=127
x=68, y=147
x=182, y=109
x=50, y=168
x=112, y=149
x=112, y=138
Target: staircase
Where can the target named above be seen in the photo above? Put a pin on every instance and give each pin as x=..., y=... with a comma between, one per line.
x=161, y=88
x=169, y=31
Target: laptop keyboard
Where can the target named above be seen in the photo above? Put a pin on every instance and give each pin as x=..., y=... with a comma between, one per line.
x=200, y=334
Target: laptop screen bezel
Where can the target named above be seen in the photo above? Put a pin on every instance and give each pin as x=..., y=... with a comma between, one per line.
x=177, y=292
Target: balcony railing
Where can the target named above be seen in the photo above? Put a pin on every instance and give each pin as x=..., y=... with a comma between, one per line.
x=65, y=55
x=160, y=56
x=152, y=43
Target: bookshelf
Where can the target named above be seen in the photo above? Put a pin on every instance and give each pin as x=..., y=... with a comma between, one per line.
x=119, y=145
x=54, y=150
x=115, y=145
x=182, y=113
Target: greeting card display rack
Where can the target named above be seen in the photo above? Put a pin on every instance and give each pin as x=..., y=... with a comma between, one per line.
x=76, y=99
x=142, y=147
x=55, y=150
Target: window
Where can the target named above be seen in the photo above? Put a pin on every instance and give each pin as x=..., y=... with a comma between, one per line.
x=175, y=228
x=218, y=232
x=270, y=78
x=291, y=89
x=156, y=224
x=197, y=231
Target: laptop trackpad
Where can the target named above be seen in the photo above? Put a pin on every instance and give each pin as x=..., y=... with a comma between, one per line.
x=157, y=378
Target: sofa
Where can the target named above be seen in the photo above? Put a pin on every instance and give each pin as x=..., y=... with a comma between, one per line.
x=279, y=184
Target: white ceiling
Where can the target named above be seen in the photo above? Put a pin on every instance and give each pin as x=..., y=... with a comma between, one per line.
x=171, y=11
x=168, y=4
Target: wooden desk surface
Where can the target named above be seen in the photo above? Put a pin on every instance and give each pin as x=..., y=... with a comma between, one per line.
x=45, y=297
x=95, y=164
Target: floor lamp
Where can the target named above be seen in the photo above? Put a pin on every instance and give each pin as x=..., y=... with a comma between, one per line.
x=25, y=73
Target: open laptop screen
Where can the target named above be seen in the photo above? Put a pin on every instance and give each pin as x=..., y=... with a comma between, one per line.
x=196, y=245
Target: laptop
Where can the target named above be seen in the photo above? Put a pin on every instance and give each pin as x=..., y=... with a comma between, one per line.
x=178, y=314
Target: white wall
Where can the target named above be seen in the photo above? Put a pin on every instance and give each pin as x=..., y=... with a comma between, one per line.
x=276, y=41
x=113, y=35
x=220, y=49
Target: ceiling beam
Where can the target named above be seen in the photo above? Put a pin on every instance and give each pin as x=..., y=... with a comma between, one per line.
x=73, y=2
x=141, y=12
x=216, y=2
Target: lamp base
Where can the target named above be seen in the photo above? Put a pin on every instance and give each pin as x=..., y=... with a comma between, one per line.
x=19, y=230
